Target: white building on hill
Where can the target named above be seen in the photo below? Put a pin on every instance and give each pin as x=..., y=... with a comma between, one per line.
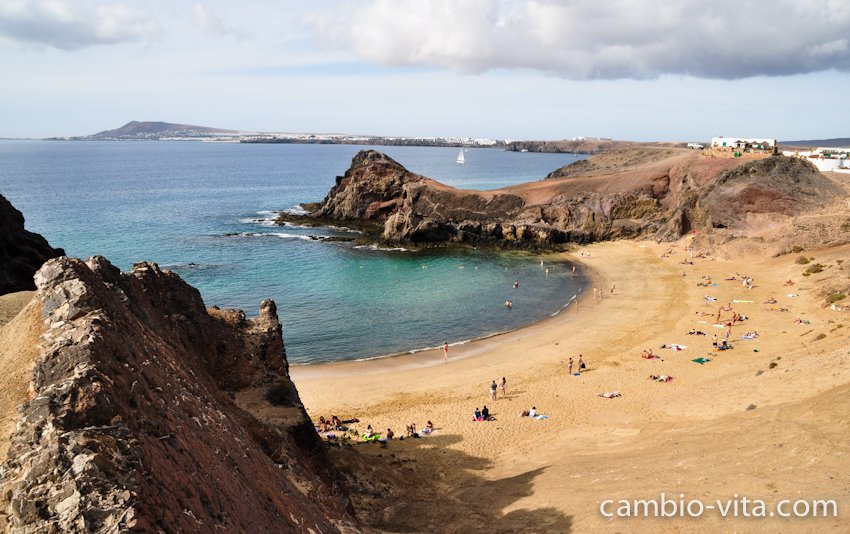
x=826, y=159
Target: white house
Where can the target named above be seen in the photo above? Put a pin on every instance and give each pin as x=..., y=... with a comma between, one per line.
x=743, y=143
x=826, y=159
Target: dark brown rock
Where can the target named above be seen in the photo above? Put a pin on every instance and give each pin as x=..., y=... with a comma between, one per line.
x=640, y=192
x=21, y=252
x=132, y=426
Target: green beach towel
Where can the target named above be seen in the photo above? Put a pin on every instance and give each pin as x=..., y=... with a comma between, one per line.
x=701, y=360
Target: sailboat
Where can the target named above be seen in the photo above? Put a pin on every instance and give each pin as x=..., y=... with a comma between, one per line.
x=460, y=158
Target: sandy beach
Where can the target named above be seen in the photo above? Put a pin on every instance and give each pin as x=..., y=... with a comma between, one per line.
x=767, y=420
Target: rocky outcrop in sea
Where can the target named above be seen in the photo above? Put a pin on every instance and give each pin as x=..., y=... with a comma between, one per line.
x=131, y=424
x=21, y=252
x=659, y=193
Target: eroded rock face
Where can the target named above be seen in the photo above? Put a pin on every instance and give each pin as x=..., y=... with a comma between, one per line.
x=21, y=252
x=132, y=426
x=658, y=193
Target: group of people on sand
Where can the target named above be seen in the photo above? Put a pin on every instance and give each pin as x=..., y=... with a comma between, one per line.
x=581, y=365
x=482, y=415
x=327, y=425
x=409, y=432
x=503, y=385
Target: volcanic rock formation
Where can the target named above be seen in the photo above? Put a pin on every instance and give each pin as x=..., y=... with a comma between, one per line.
x=21, y=252
x=131, y=423
x=647, y=192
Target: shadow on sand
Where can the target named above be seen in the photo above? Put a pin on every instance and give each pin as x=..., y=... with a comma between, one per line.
x=422, y=485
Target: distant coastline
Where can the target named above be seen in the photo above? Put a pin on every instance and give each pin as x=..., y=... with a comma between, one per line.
x=166, y=131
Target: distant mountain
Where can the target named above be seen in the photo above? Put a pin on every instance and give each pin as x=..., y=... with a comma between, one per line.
x=155, y=130
x=840, y=141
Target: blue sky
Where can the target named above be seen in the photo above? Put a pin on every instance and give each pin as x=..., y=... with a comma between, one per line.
x=544, y=69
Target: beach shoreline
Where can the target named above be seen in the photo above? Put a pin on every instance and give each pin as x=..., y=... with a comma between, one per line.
x=653, y=438
x=460, y=350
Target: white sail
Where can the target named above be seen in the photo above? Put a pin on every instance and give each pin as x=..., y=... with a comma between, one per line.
x=460, y=158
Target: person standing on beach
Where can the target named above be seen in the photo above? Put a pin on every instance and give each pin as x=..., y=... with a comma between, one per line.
x=570, y=366
x=446, y=351
x=581, y=364
x=503, y=386
x=493, y=390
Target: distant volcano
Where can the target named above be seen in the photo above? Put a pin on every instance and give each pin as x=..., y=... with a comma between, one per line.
x=136, y=129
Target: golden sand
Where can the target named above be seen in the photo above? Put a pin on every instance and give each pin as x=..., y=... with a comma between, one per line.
x=767, y=420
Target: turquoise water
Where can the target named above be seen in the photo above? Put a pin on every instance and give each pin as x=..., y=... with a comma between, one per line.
x=205, y=210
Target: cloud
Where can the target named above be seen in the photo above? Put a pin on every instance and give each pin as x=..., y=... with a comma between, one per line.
x=592, y=39
x=71, y=26
x=212, y=24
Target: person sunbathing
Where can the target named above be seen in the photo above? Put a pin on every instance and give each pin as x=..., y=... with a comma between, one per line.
x=788, y=282
x=429, y=427
x=771, y=300
x=696, y=332
x=649, y=355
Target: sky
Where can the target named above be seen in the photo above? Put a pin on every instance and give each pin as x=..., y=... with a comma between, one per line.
x=505, y=69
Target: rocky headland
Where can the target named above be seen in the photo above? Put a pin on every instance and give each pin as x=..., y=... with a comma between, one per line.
x=21, y=252
x=131, y=422
x=658, y=193
x=583, y=146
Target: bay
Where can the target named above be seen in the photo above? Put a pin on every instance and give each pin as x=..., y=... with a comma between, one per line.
x=205, y=210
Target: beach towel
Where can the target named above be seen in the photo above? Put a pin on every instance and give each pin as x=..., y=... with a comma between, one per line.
x=576, y=374
x=374, y=437
x=701, y=360
x=739, y=301
x=709, y=299
x=793, y=295
x=610, y=394
x=661, y=378
x=749, y=336
x=538, y=417
x=676, y=346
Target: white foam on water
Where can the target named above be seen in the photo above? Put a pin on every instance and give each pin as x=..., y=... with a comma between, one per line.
x=344, y=229
x=282, y=235
x=297, y=209
x=381, y=249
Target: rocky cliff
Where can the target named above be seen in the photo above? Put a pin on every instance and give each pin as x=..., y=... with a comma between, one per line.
x=659, y=193
x=131, y=423
x=21, y=252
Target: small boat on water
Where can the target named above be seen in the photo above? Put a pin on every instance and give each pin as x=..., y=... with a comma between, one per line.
x=460, y=158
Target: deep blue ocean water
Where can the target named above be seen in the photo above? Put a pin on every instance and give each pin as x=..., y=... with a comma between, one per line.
x=204, y=210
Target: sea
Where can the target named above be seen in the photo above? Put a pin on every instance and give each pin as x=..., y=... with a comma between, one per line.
x=206, y=211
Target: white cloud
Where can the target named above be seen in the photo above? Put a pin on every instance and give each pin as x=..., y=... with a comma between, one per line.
x=592, y=39
x=212, y=23
x=70, y=26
